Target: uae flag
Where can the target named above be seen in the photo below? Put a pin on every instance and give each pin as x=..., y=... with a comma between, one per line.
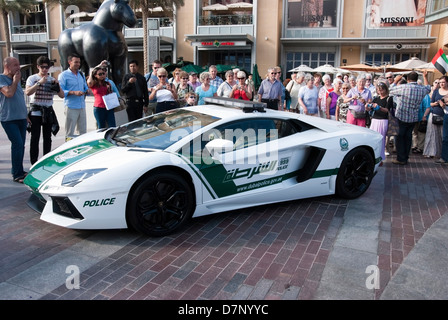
x=440, y=61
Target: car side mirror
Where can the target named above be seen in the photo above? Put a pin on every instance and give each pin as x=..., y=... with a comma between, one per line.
x=218, y=146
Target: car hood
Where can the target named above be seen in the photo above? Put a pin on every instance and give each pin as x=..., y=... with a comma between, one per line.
x=64, y=156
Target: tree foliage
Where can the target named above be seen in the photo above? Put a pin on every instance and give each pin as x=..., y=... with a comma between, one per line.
x=145, y=6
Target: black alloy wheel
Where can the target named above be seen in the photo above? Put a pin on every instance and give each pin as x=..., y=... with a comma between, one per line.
x=160, y=204
x=355, y=174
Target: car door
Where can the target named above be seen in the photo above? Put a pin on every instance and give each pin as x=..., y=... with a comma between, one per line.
x=261, y=157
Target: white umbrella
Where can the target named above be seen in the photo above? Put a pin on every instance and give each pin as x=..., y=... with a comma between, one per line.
x=302, y=68
x=82, y=14
x=412, y=63
x=156, y=9
x=343, y=71
x=215, y=7
x=327, y=68
x=240, y=6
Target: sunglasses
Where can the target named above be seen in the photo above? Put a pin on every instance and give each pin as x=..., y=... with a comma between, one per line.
x=241, y=78
x=192, y=97
x=100, y=74
x=184, y=78
x=162, y=76
x=45, y=67
x=390, y=77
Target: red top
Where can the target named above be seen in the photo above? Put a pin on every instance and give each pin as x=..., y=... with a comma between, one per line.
x=240, y=93
x=98, y=93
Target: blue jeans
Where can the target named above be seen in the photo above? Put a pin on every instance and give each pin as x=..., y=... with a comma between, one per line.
x=104, y=118
x=445, y=138
x=16, y=132
x=404, y=140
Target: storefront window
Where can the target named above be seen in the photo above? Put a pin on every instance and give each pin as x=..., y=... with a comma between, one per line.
x=397, y=13
x=379, y=59
x=312, y=13
x=438, y=5
x=310, y=59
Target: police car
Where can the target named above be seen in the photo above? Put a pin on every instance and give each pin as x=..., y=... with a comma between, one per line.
x=156, y=173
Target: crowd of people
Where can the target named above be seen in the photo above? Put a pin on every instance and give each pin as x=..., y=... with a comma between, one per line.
x=401, y=108
x=412, y=117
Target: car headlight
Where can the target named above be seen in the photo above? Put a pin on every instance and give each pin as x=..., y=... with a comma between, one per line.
x=73, y=178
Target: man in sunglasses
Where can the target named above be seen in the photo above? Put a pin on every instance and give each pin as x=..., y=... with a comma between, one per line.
x=390, y=78
x=270, y=91
x=41, y=87
x=152, y=80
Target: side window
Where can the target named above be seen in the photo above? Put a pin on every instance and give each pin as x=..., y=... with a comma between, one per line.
x=247, y=133
x=284, y=128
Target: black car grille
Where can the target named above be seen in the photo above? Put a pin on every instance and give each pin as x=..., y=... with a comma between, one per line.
x=64, y=207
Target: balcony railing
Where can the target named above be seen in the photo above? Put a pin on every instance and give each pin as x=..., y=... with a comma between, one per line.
x=225, y=20
x=163, y=22
x=36, y=28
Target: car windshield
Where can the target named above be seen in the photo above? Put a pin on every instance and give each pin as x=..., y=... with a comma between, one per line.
x=161, y=130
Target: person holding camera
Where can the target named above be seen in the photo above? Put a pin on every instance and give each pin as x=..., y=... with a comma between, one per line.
x=100, y=87
x=164, y=92
x=41, y=87
x=241, y=90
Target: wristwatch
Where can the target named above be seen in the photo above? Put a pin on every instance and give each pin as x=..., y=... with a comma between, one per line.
x=38, y=83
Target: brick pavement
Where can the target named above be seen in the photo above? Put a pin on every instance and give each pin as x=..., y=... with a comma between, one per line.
x=278, y=251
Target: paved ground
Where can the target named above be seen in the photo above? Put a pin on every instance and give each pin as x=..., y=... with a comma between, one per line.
x=320, y=248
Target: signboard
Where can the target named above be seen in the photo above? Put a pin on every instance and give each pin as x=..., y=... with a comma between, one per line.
x=396, y=13
x=399, y=46
x=218, y=44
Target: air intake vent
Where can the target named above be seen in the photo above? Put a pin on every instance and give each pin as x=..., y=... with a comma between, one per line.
x=64, y=207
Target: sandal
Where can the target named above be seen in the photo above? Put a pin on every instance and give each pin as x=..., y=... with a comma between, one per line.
x=19, y=179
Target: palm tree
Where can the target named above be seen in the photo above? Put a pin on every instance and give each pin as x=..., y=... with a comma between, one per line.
x=145, y=6
x=7, y=6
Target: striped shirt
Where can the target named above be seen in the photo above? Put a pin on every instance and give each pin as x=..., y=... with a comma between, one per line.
x=408, y=97
x=43, y=95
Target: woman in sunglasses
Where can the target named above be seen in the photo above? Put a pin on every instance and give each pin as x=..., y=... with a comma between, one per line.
x=241, y=90
x=164, y=92
x=183, y=88
x=100, y=87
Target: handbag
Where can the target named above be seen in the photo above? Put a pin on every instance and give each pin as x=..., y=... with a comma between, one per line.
x=422, y=126
x=437, y=120
x=111, y=100
x=122, y=105
x=358, y=114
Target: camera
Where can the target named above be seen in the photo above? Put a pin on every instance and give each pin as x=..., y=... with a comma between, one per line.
x=55, y=87
x=163, y=87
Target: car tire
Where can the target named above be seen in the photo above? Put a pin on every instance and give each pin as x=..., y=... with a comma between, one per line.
x=160, y=204
x=355, y=174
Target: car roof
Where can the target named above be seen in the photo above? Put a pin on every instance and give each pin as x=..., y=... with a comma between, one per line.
x=226, y=108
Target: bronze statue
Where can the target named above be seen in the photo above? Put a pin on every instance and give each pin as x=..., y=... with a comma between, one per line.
x=101, y=39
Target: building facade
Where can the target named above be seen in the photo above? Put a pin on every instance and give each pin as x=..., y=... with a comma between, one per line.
x=287, y=33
